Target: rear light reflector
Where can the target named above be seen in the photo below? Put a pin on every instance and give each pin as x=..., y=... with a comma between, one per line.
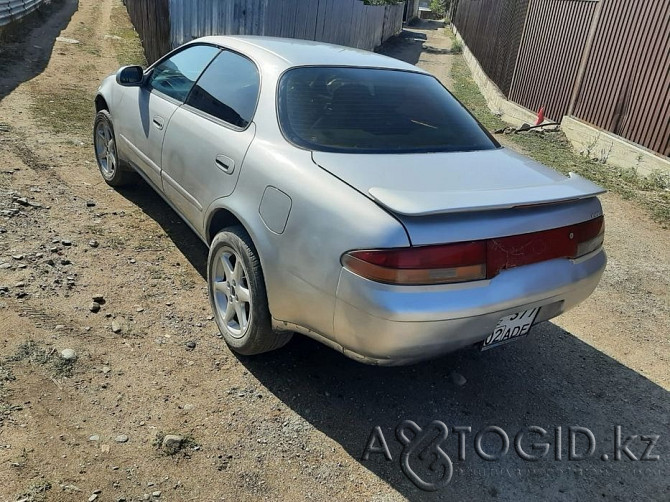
x=465, y=261
x=476, y=260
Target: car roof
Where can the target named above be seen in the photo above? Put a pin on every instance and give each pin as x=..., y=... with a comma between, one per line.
x=291, y=52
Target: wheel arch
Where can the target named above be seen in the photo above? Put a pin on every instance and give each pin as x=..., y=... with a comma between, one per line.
x=221, y=218
x=101, y=103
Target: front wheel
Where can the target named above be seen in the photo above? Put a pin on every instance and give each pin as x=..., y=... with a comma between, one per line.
x=106, y=153
x=238, y=296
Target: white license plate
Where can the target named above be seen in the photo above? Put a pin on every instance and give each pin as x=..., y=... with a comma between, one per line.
x=510, y=328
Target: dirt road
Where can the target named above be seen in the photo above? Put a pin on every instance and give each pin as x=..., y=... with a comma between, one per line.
x=289, y=425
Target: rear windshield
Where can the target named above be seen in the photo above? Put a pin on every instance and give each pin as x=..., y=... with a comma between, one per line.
x=364, y=110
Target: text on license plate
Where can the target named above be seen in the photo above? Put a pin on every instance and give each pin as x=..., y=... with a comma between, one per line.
x=511, y=327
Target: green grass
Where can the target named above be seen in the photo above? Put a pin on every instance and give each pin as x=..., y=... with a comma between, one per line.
x=128, y=47
x=65, y=111
x=554, y=149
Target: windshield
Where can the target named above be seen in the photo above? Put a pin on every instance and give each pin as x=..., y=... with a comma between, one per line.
x=365, y=110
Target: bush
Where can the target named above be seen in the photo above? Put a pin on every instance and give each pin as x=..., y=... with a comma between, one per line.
x=439, y=7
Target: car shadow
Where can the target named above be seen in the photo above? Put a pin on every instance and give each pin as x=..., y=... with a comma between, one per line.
x=146, y=199
x=550, y=379
x=25, y=49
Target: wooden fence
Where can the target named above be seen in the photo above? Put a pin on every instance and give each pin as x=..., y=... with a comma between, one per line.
x=344, y=22
x=151, y=19
x=165, y=24
x=602, y=61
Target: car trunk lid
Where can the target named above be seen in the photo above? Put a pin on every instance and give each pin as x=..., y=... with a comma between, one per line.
x=429, y=184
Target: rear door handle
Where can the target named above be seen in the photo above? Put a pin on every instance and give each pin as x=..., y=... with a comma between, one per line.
x=159, y=122
x=226, y=164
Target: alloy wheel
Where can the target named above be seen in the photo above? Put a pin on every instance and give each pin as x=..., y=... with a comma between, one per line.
x=232, y=295
x=105, y=149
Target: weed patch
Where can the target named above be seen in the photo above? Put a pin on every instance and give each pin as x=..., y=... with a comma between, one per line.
x=37, y=355
x=126, y=42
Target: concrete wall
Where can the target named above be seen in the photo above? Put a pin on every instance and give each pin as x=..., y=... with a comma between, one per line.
x=612, y=149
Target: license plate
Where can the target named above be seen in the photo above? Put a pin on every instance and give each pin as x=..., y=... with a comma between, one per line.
x=510, y=328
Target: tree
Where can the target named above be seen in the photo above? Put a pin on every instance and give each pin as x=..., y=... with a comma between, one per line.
x=440, y=7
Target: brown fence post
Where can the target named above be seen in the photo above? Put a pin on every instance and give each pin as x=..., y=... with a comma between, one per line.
x=585, y=57
x=518, y=52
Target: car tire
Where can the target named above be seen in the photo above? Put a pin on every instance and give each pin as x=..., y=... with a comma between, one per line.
x=238, y=296
x=111, y=168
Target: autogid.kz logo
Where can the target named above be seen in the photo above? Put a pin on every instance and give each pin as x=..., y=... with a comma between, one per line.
x=425, y=461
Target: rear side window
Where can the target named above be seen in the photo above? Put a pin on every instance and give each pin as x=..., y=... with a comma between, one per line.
x=176, y=75
x=228, y=90
x=366, y=110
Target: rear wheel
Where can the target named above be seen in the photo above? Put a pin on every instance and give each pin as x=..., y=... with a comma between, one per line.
x=106, y=153
x=238, y=296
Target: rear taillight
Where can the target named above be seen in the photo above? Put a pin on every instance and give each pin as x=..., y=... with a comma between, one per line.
x=589, y=236
x=472, y=261
x=465, y=261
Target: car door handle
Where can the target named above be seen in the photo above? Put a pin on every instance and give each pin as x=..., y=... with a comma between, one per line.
x=158, y=122
x=226, y=164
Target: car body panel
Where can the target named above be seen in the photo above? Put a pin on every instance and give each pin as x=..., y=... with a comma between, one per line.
x=284, y=53
x=357, y=202
x=301, y=266
x=478, y=225
x=390, y=325
x=194, y=177
x=432, y=183
x=140, y=136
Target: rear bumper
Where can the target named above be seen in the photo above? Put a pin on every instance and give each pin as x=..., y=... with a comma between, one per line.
x=384, y=324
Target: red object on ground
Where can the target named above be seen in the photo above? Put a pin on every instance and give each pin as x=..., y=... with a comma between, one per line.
x=540, y=116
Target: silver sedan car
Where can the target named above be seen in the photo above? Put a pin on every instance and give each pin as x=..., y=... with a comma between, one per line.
x=349, y=197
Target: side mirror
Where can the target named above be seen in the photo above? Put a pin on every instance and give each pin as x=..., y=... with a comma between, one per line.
x=130, y=76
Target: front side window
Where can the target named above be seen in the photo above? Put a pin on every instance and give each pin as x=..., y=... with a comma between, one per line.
x=367, y=110
x=176, y=75
x=228, y=90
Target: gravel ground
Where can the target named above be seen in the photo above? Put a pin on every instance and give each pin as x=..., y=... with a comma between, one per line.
x=100, y=423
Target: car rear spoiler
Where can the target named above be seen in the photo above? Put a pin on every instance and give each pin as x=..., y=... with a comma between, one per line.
x=428, y=203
